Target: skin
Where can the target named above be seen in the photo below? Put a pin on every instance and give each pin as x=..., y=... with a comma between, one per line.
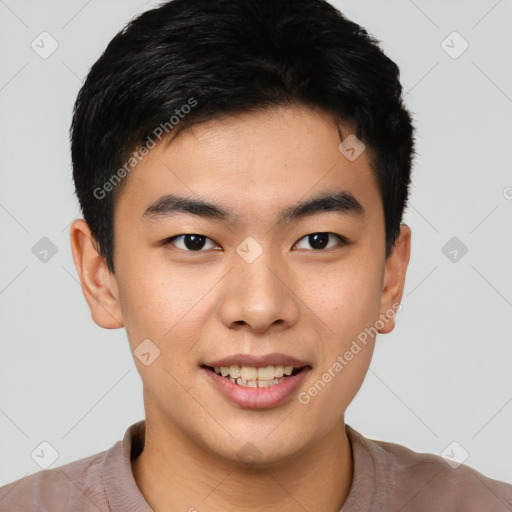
x=200, y=306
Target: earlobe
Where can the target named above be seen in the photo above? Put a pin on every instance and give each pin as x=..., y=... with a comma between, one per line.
x=394, y=279
x=98, y=285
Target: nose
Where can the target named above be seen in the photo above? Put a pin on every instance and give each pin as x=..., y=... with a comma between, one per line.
x=258, y=297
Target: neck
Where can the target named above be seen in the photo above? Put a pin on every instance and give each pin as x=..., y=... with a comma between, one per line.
x=175, y=474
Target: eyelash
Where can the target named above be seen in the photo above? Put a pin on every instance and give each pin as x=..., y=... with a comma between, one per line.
x=342, y=241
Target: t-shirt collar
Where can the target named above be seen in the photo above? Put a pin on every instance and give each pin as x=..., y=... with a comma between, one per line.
x=124, y=495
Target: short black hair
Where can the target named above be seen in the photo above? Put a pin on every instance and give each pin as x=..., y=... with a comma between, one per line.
x=190, y=61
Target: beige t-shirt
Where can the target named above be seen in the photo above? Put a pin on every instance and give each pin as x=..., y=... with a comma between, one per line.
x=387, y=478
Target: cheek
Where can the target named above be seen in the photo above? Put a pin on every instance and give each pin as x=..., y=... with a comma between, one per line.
x=157, y=309
x=147, y=299
x=349, y=307
x=161, y=303
x=346, y=299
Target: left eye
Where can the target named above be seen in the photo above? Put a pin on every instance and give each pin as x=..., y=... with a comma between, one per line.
x=195, y=242
x=320, y=241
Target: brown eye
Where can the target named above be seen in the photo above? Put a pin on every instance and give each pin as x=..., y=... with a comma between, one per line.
x=191, y=242
x=319, y=241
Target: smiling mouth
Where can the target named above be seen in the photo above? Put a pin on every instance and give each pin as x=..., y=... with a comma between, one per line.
x=252, y=377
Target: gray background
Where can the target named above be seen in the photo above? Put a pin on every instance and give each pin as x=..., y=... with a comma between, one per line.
x=443, y=375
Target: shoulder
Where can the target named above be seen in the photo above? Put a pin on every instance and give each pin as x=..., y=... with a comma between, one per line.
x=424, y=481
x=75, y=486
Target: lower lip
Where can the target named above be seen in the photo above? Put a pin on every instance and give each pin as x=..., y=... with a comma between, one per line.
x=258, y=398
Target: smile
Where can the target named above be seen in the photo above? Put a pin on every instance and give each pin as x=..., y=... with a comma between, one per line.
x=251, y=377
x=256, y=388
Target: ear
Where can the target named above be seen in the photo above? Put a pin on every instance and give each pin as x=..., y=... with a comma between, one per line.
x=394, y=279
x=99, y=286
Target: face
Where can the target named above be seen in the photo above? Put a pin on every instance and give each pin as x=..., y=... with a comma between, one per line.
x=254, y=275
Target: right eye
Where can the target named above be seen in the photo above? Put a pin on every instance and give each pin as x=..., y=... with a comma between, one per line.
x=190, y=242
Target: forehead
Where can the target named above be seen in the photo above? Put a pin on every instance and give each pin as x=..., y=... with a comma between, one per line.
x=253, y=163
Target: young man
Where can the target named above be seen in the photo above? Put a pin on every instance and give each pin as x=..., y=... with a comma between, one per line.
x=242, y=167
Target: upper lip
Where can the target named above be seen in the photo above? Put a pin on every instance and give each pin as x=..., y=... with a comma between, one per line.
x=272, y=359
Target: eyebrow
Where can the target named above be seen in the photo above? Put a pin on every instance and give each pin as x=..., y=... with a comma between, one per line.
x=340, y=201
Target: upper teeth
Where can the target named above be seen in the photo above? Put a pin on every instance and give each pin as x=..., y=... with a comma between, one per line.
x=250, y=373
